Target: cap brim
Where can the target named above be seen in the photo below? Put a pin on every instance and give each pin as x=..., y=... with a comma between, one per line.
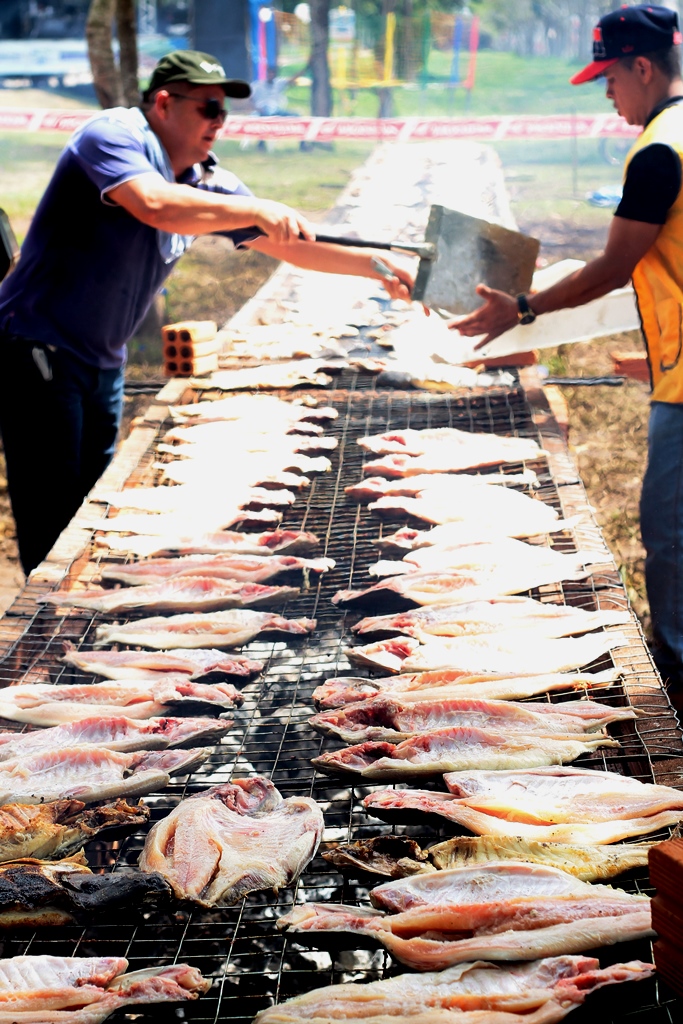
x=591, y=71
x=237, y=89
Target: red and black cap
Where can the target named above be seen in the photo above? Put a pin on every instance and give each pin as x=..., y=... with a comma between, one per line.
x=629, y=32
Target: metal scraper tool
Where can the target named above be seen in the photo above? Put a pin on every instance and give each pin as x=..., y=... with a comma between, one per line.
x=470, y=251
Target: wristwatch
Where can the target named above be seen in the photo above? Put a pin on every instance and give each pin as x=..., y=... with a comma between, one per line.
x=525, y=313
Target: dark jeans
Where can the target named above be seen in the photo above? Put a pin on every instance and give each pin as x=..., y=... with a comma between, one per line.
x=661, y=525
x=59, y=436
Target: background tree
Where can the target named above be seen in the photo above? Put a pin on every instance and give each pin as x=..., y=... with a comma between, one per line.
x=321, y=91
x=115, y=84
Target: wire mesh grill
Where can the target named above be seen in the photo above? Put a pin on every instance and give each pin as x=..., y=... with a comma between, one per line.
x=251, y=964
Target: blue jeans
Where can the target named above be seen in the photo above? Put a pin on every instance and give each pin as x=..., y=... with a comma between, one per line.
x=661, y=525
x=59, y=435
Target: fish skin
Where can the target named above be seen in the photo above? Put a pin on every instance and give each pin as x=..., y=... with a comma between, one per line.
x=541, y=992
x=225, y=842
x=121, y=734
x=176, y=594
x=589, y=863
x=86, y=990
x=497, y=911
x=454, y=749
x=60, y=828
x=90, y=775
x=427, y=686
x=274, y=542
x=244, y=568
x=509, y=651
x=230, y=628
x=546, y=619
x=391, y=721
x=199, y=665
x=45, y=704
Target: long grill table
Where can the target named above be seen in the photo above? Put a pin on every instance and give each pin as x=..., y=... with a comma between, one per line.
x=251, y=964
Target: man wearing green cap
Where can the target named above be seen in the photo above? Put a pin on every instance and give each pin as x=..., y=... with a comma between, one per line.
x=129, y=193
x=637, y=49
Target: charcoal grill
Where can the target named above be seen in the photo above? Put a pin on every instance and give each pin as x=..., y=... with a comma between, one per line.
x=251, y=964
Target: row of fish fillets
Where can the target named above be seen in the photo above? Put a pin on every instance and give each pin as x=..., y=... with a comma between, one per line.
x=157, y=711
x=459, y=650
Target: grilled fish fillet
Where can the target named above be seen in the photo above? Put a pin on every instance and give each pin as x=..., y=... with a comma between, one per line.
x=546, y=619
x=589, y=863
x=86, y=990
x=487, y=506
x=555, y=805
x=199, y=665
x=463, y=445
x=177, y=594
x=263, y=378
x=496, y=911
x=273, y=542
x=223, y=843
x=60, y=828
x=43, y=704
x=89, y=774
x=540, y=992
x=445, y=486
x=502, y=558
x=455, y=749
x=391, y=721
x=239, y=406
x=219, y=629
x=428, y=686
x=122, y=734
x=198, y=467
x=207, y=520
x=514, y=651
x=181, y=500
x=469, y=531
x=244, y=568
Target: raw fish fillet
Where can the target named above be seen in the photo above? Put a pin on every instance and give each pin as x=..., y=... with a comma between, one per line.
x=301, y=373
x=496, y=911
x=275, y=542
x=444, y=486
x=487, y=507
x=540, y=992
x=89, y=774
x=122, y=734
x=205, y=520
x=427, y=686
x=62, y=827
x=239, y=406
x=455, y=749
x=513, y=651
x=35, y=893
x=219, y=629
x=589, y=863
x=243, y=568
x=547, y=620
x=225, y=842
x=199, y=665
x=563, y=805
x=485, y=449
x=176, y=594
x=86, y=990
x=391, y=721
x=44, y=704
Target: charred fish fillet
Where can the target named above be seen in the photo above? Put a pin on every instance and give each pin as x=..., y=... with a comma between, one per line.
x=225, y=842
x=86, y=990
x=496, y=911
x=199, y=665
x=220, y=629
x=541, y=992
x=60, y=828
x=390, y=856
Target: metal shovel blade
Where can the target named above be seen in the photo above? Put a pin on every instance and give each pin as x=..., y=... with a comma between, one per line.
x=470, y=251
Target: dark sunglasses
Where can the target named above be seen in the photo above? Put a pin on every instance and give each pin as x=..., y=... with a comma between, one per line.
x=212, y=110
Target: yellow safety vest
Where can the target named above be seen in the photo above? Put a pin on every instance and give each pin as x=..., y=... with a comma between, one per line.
x=658, y=276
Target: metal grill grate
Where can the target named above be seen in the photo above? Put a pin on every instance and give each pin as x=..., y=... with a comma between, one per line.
x=252, y=965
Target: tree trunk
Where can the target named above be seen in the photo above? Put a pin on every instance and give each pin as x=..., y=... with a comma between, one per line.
x=321, y=93
x=106, y=78
x=128, y=52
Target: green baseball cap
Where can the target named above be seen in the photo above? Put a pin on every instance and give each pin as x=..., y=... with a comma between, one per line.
x=197, y=69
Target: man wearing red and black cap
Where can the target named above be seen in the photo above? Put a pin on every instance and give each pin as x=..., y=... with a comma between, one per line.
x=129, y=193
x=637, y=50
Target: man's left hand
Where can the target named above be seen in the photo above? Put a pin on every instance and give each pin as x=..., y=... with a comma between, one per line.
x=498, y=315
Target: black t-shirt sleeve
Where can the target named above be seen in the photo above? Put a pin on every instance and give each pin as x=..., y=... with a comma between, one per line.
x=653, y=180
